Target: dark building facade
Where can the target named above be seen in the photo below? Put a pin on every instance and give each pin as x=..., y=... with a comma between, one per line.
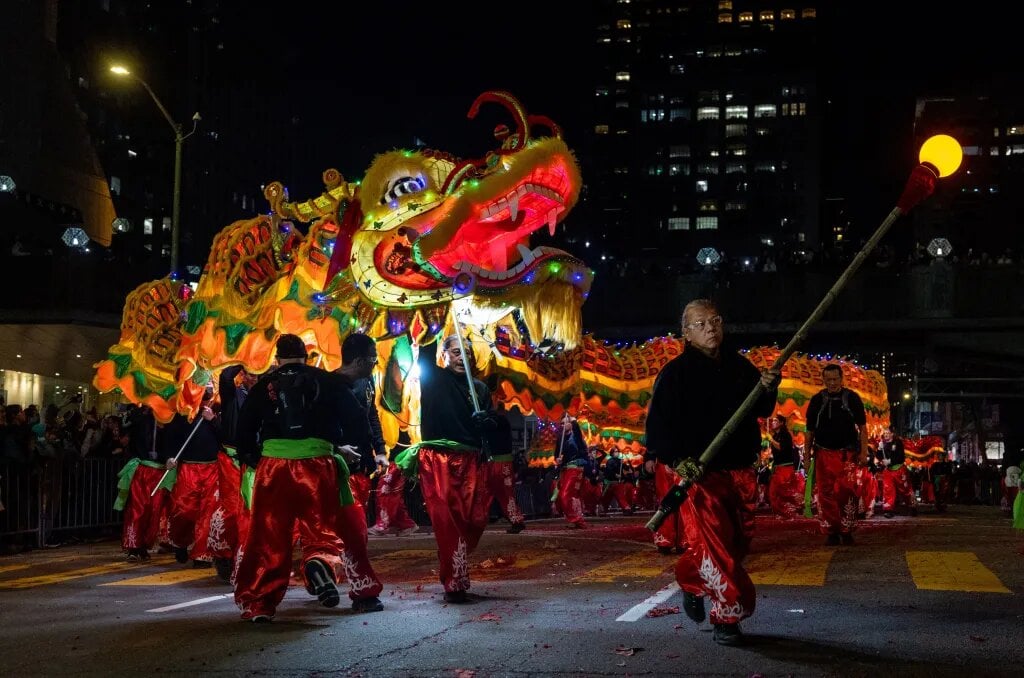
x=706, y=131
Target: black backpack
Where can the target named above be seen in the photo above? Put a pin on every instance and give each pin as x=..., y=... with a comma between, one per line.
x=295, y=393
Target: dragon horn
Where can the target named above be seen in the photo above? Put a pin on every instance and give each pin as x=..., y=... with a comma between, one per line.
x=514, y=107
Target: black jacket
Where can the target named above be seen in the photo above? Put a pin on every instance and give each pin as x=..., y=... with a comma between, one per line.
x=447, y=408
x=694, y=395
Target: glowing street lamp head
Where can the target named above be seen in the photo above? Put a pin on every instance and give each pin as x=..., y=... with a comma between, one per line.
x=120, y=70
x=943, y=153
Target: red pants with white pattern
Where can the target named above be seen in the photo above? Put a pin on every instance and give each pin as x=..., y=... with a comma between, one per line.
x=783, y=495
x=570, y=494
x=361, y=486
x=719, y=524
x=896, y=485
x=867, y=489
x=836, y=478
x=193, y=501
x=501, y=483
x=671, y=533
x=355, y=558
x=230, y=519
x=454, y=486
x=288, y=494
x=142, y=512
x=391, y=511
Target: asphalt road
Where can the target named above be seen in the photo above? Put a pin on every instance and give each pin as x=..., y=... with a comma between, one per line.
x=927, y=596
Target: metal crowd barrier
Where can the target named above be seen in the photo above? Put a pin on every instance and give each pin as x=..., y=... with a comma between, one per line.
x=57, y=496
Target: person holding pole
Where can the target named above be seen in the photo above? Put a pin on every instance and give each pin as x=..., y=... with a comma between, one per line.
x=457, y=418
x=694, y=395
x=138, y=484
x=573, y=459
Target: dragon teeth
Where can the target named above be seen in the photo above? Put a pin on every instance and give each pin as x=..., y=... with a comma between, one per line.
x=552, y=221
x=513, y=207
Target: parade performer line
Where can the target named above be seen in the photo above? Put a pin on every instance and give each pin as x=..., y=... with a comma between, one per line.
x=199, y=420
x=640, y=611
x=192, y=603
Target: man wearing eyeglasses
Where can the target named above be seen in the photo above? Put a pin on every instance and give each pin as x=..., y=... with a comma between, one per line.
x=694, y=395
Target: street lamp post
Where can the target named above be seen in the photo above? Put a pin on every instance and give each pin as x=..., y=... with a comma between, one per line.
x=179, y=140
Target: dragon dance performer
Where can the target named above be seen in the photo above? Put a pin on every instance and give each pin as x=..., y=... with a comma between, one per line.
x=392, y=515
x=358, y=358
x=452, y=472
x=231, y=517
x=194, y=497
x=694, y=395
x=573, y=461
x=287, y=430
x=141, y=505
x=837, y=438
x=784, y=493
x=616, y=485
x=501, y=474
x=895, y=481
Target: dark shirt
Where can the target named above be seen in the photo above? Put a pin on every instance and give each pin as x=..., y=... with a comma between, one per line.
x=231, y=400
x=364, y=391
x=613, y=469
x=835, y=426
x=940, y=468
x=893, y=451
x=334, y=408
x=355, y=420
x=447, y=408
x=572, y=446
x=694, y=395
x=141, y=433
x=202, y=447
x=786, y=454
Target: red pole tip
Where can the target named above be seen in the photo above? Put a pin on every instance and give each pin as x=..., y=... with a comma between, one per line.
x=920, y=185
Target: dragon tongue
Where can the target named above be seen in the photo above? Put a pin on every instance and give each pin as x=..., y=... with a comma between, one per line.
x=499, y=255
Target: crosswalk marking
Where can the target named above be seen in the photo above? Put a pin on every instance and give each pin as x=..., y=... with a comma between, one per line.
x=790, y=568
x=952, y=571
x=642, y=565
x=163, y=578
x=59, y=577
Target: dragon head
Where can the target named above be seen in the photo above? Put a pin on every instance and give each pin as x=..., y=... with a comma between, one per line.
x=434, y=228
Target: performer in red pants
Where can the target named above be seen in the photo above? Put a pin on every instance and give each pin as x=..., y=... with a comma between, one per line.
x=452, y=475
x=837, y=437
x=194, y=497
x=573, y=461
x=136, y=482
x=694, y=395
x=783, y=495
x=671, y=536
x=895, y=481
x=287, y=431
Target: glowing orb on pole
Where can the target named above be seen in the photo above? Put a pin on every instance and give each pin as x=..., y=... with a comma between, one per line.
x=943, y=153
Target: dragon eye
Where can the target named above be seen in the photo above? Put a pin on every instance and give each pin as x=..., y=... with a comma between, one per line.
x=402, y=186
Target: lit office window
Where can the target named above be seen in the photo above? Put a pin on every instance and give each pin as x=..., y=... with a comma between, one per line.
x=808, y=13
x=702, y=186
x=165, y=223
x=724, y=4
x=735, y=167
x=707, y=168
x=767, y=15
x=600, y=129
x=787, y=14
x=735, y=206
x=679, y=114
x=764, y=111
x=708, y=113
x=147, y=226
x=623, y=24
x=622, y=76
x=736, y=112
x=746, y=17
x=679, y=223
x=709, y=206
x=725, y=18
x=737, y=150
x=679, y=151
x=707, y=223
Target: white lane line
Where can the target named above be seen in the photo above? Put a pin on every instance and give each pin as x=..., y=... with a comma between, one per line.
x=190, y=603
x=638, y=611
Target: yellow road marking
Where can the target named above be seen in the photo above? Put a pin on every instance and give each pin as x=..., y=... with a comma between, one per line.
x=639, y=566
x=59, y=577
x=165, y=578
x=793, y=568
x=522, y=562
x=397, y=563
x=952, y=571
x=12, y=568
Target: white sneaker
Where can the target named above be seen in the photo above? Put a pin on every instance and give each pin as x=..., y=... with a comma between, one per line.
x=405, y=532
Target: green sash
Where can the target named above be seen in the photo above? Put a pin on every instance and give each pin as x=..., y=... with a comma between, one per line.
x=125, y=475
x=303, y=448
x=408, y=459
x=1018, y=510
x=809, y=490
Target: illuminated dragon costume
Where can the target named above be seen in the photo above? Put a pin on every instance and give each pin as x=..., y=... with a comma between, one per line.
x=421, y=235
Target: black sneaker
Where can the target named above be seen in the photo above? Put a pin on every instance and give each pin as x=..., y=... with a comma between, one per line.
x=367, y=605
x=693, y=606
x=261, y=619
x=181, y=554
x=201, y=564
x=728, y=634
x=321, y=582
x=224, y=566
x=665, y=550
x=887, y=514
x=832, y=540
x=516, y=528
x=846, y=539
x=456, y=597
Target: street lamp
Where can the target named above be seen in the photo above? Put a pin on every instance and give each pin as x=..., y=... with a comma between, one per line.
x=179, y=139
